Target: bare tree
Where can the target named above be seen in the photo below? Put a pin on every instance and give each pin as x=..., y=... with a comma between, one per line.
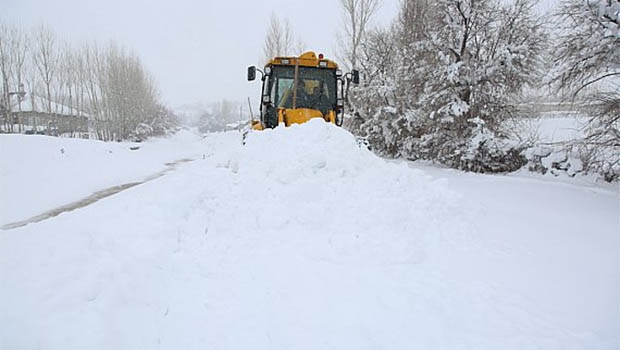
x=280, y=40
x=357, y=15
x=413, y=22
x=13, y=55
x=20, y=59
x=6, y=34
x=68, y=87
x=45, y=56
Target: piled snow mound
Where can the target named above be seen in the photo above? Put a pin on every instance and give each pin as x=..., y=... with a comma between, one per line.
x=301, y=151
x=316, y=179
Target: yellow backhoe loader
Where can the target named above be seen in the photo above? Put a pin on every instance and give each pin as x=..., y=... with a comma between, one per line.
x=297, y=89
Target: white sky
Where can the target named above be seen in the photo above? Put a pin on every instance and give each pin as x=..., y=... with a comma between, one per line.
x=197, y=50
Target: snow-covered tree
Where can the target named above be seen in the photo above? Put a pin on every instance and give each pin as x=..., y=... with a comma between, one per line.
x=588, y=69
x=588, y=51
x=487, y=53
x=451, y=81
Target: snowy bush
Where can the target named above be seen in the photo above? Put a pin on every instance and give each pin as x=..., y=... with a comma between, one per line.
x=163, y=122
x=554, y=160
x=142, y=131
x=577, y=159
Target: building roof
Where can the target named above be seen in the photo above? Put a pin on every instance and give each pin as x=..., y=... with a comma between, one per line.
x=38, y=104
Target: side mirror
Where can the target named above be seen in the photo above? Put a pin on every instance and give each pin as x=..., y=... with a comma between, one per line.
x=251, y=73
x=355, y=77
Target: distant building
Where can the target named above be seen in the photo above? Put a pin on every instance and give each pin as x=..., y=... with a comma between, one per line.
x=31, y=115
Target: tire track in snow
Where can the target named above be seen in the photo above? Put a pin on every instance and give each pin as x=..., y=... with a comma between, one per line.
x=93, y=198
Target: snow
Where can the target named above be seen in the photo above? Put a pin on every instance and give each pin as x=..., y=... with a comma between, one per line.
x=302, y=239
x=561, y=126
x=39, y=173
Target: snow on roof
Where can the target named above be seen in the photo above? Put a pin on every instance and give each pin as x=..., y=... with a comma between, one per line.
x=39, y=104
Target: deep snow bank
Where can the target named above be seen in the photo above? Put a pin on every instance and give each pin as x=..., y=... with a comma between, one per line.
x=39, y=173
x=316, y=177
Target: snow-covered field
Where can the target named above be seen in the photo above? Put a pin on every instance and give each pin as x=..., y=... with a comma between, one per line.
x=561, y=126
x=551, y=127
x=301, y=239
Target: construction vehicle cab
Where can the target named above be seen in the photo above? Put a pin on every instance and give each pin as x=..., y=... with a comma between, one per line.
x=297, y=89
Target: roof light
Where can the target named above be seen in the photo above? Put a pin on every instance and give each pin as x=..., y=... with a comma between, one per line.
x=323, y=64
x=285, y=61
x=321, y=56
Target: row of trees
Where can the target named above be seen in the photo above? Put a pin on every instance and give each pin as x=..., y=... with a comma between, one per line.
x=443, y=80
x=106, y=83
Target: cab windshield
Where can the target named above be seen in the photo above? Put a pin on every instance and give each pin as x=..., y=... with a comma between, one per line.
x=316, y=88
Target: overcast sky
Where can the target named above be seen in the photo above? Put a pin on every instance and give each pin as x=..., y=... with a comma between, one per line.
x=197, y=50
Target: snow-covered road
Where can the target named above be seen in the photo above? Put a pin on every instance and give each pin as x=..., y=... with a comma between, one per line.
x=41, y=173
x=301, y=239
